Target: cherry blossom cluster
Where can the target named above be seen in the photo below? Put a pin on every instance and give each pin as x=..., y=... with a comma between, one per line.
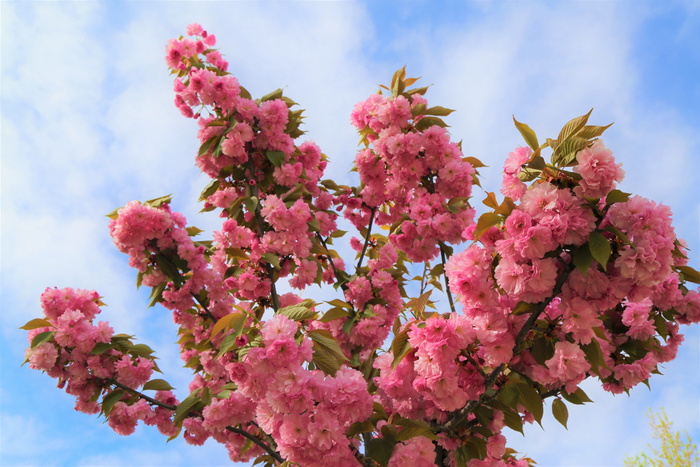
x=248, y=148
x=411, y=174
x=90, y=361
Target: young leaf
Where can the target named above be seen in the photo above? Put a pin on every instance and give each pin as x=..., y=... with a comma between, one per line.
x=486, y=221
x=439, y=111
x=298, y=312
x=35, y=324
x=333, y=314
x=528, y=134
x=400, y=346
x=689, y=274
x=573, y=126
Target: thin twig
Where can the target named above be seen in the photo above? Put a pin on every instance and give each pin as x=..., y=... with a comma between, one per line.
x=330, y=260
x=443, y=257
x=275, y=455
x=367, y=236
x=204, y=307
x=143, y=396
x=240, y=431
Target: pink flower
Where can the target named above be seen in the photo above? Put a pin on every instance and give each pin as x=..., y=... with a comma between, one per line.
x=568, y=365
x=598, y=170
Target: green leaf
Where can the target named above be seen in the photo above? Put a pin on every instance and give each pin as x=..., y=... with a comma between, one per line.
x=297, y=312
x=560, y=412
x=328, y=355
x=158, y=202
x=426, y=122
x=600, y=248
x=36, y=323
x=573, y=126
x=276, y=157
x=528, y=134
x=226, y=321
x=485, y=222
x=41, y=338
x=333, y=314
x=594, y=355
x=185, y=407
x=400, y=346
x=276, y=94
x=565, y=154
x=272, y=258
x=380, y=450
x=156, y=294
x=531, y=400
x=689, y=274
x=578, y=397
x=617, y=196
x=513, y=420
x=157, y=385
x=509, y=395
x=141, y=350
x=206, y=146
x=101, y=347
x=592, y=131
x=582, y=258
x=413, y=431
x=250, y=203
x=522, y=308
x=438, y=111
x=110, y=399
x=210, y=189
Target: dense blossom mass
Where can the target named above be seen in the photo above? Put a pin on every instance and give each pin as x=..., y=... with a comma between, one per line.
x=427, y=353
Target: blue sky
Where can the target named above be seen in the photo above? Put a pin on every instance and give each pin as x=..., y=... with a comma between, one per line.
x=88, y=124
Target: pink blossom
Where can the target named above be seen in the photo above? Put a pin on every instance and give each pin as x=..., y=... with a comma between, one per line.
x=598, y=170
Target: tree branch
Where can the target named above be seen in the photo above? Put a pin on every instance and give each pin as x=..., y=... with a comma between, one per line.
x=240, y=431
x=261, y=232
x=275, y=455
x=367, y=236
x=443, y=257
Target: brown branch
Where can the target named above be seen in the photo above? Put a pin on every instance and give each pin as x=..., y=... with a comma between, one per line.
x=240, y=431
x=443, y=257
x=143, y=396
x=367, y=236
x=261, y=232
x=275, y=455
x=204, y=307
x=330, y=260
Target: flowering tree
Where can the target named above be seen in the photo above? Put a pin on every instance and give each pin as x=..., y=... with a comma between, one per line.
x=566, y=278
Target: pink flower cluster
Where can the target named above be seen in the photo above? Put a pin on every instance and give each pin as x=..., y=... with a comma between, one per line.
x=413, y=173
x=161, y=249
x=305, y=411
x=70, y=354
x=248, y=147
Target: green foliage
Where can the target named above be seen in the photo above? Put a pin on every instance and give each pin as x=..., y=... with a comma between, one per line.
x=672, y=452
